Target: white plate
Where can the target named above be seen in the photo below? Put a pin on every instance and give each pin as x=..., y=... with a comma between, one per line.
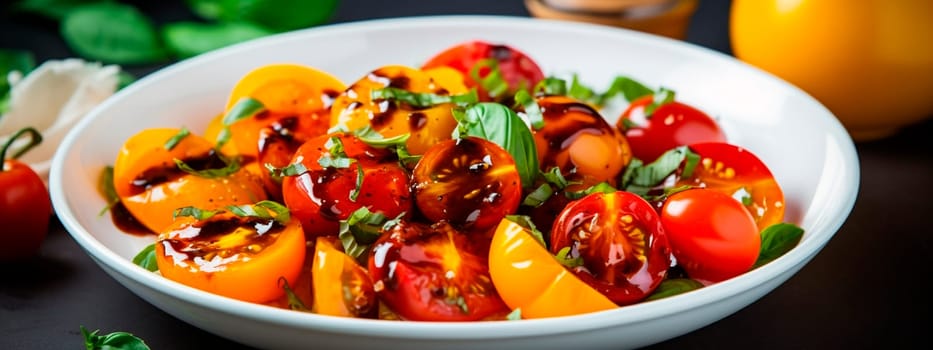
x=808, y=151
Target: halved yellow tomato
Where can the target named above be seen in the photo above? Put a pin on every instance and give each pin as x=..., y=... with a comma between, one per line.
x=237, y=257
x=341, y=286
x=146, y=152
x=355, y=108
x=529, y=278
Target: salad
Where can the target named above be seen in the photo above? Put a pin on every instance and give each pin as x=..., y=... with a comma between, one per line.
x=471, y=188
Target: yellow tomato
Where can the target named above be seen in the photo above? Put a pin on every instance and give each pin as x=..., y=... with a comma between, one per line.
x=229, y=256
x=341, y=286
x=528, y=277
x=355, y=108
x=870, y=62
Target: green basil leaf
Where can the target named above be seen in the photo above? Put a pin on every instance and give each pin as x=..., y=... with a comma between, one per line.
x=776, y=240
x=4, y=103
x=186, y=39
x=52, y=9
x=296, y=169
x=361, y=229
x=244, y=108
x=564, y=257
x=197, y=213
x=124, y=79
x=146, y=258
x=499, y=124
x=294, y=302
x=232, y=165
x=373, y=138
x=112, y=32
x=14, y=60
x=674, y=286
x=112, y=341
x=493, y=82
x=602, y=187
x=422, y=100
x=537, y=197
x=554, y=177
x=582, y=92
x=662, y=97
x=654, y=172
x=265, y=209
x=278, y=15
x=175, y=139
x=359, y=183
x=525, y=221
x=551, y=86
x=515, y=315
x=530, y=108
x=106, y=187
x=336, y=156
x=628, y=87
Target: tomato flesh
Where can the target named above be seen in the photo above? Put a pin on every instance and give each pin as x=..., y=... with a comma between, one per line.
x=621, y=242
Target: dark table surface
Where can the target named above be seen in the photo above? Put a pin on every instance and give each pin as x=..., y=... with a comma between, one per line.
x=866, y=289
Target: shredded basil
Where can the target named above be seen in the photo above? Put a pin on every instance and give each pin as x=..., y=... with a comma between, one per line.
x=525, y=221
x=264, y=210
x=602, y=187
x=674, y=286
x=175, y=139
x=244, y=108
x=232, y=165
x=638, y=176
x=336, y=156
x=515, y=315
x=105, y=186
x=537, y=197
x=550, y=86
x=196, y=213
x=146, y=258
x=531, y=109
x=493, y=83
x=662, y=97
x=290, y=170
x=362, y=228
x=564, y=257
x=776, y=240
x=422, y=100
x=294, y=302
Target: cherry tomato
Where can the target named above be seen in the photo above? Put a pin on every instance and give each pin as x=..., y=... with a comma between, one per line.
x=517, y=69
x=236, y=257
x=322, y=196
x=621, y=242
x=433, y=273
x=355, y=108
x=528, y=277
x=711, y=234
x=671, y=125
x=25, y=207
x=471, y=183
x=341, y=286
x=737, y=172
x=151, y=185
x=576, y=139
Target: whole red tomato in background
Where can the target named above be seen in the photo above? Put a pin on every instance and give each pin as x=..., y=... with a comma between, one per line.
x=25, y=207
x=671, y=125
x=517, y=68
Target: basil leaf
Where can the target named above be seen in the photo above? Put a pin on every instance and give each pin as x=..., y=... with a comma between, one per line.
x=493, y=82
x=296, y=169
x=654, y=172
x=564, y=257
x=662, y=97
x=52, y=9
x=628, y=87
x=602, y=187
x=422, y=100
x=336, y=156
x=582, y=92
x=146, y=258
x=555, y=177
x=373, y=138
x=124, y=79
x=175, y=139
x=14, y=60
x=525, y=221
x=359, y=183
x=261, y=209
x=244, y=108
x=196, y=213
x=361, y=229
x=537, y=197
x=294, y=302
x=278, y=15
x=531, y=109
x=186, y=39
x=232, y=165
x=105, y=186
x=674, y=286
x=112, y=341
x=776, y=240
x=515, y=315
x=499, y=124
x=551, y=86
x=112, y=32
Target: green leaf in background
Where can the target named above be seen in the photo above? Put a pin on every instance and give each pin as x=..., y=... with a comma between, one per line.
x=113, y=33
x=112, y=341
x=146, y=258
x=776, y=240
x=124, y=79
x=674, y=286
x=14, y=60
x=278, y=15
x=53, y=9
x=186, y=39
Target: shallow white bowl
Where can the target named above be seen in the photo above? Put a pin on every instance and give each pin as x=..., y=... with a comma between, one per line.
x=808, y=151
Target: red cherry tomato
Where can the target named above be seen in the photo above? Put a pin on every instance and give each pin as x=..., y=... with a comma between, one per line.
x=621, y=242
x=25, y=207
x=471, y=183
x=322, y=196
x=517, y=69
x=711, y=234
x=737, y=172
x=671, y=125
x=433, y=273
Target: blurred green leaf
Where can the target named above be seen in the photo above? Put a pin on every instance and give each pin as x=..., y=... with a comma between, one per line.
x=113, y=33
x=187, y=39
x=14, y=60
x=54, y=9
x=278, y=15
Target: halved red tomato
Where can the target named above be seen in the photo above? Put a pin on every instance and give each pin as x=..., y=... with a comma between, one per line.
x=518, y=70
x=671, y=125
x=622, y=246
x=711, y=234
x=737, y=172
x=433, y=273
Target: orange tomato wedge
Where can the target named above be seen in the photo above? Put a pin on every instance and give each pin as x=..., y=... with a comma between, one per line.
x=146, y=150
x=529, y=278
x=341, y=286
x=226, y=255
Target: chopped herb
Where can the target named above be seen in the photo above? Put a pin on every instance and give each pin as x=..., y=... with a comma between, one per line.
x=106, y=187
x=551, y=86
x=362, y=228
x=359, y=183
x=232, y=165
x=638, y=177
x=244, y=108
x=146, y=258
x=264, y=210
x=564, y=257
x=674, y=286
x=532, y=110
x=196, y=213
x=290, y=170
x=493, y=83
x=294, y=302
x=554, y=177
x=336, y=156
x=175, y=139
x=602, y=187
x=421, y=100
x=537, y=197
x=525, y=221
x=662, y=97
x=776, y=240
x=515, y=315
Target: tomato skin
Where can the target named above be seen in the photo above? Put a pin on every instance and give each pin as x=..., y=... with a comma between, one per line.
x=25, y=210
x=471, y=183
x=516, y=67
x=228, y=256
x=737, y=172
x=711, y=234
x=433, y=273
x=333, y=273
x=621, y=241
x=671, y=125
x=320, y=198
